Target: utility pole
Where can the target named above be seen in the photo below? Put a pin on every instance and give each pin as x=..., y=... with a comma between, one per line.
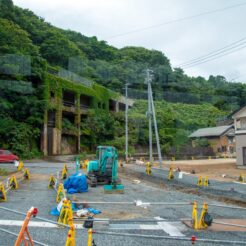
x=156, y=128
x=126, y=120
x=150, y=114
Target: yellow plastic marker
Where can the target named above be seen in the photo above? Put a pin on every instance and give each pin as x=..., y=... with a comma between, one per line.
x=89, y=242
x=64, y=172
x=3, y=197
x=206, y=181
x=66, y=213
x=71, y=237
x=13, y=183
x=52, y=182
x=26, y=174
x=241, y=178
x=20, y=166
x=202, y=224
x=170, y=174
x=60, y=193
x=199, y=181
x=148, y=168
x=194, y=216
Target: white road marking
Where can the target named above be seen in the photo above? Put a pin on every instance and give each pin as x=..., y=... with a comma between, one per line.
x=170, y=228
x=237, y=182
x=147, y=227
x=33, y=224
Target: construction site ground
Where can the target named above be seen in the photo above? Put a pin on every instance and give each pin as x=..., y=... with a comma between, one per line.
x=138, y=186
x=224, y=169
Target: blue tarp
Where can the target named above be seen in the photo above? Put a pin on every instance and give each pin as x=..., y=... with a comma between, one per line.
x=76, y=183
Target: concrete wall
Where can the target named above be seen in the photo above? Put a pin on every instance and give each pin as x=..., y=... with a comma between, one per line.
x=240, y=143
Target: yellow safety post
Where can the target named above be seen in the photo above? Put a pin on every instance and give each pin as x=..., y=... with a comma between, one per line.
x=52, y=182
x=71, y=237
x=194, y=216
x=120, y=164
x=193, y=158
x=20, y=166
x=241, y=178
x=206, y=181
x=64, y=172
x=3, y=197
x=209, y=157
x=148, y=168
x=90, y=240
x=60, y=193
x=86, y=163
x=13, y=183
x=199, y=181
x=66, y=213
x=173, y=158
x=202, y=224
x=170, y=174
x=82, y=164
x=26, y=174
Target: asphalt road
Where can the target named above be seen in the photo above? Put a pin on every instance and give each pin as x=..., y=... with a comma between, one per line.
x=36, y=193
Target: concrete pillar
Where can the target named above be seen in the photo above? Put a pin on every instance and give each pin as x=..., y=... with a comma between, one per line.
x=117, y=107
x=44, y=141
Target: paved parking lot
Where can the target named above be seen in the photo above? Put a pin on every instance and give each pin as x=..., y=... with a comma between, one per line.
x=36, y=193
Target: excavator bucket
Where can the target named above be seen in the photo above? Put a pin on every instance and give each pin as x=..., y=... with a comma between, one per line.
x=110, y=189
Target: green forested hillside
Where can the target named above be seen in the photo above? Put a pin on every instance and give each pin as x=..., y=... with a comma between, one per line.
x=185, y=103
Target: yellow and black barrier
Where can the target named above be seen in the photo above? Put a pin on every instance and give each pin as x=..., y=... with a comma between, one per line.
x=13, y=184
x=26, y=174
x=60, y=193
x=3, y=197
x=71, y=237
x=66, y=213
x=241, y=178
x=52, y=182
x=148, y=168
x=90, y=238
x=84, y=164
x=20, y=166
x=205, y=219
x=170, y=174
x=64, y=172
x=203, y=181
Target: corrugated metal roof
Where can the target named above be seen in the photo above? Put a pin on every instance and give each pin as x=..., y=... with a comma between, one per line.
x=210, y=131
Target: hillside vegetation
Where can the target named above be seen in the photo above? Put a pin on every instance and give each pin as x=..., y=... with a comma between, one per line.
x=184, y=103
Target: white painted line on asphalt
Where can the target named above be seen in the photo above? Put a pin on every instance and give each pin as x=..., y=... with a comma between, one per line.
x=170, y=228
x=147, y=227
x=239, y=182
x=33, y=224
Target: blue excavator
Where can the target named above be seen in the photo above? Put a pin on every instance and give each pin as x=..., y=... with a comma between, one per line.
x=104, y=170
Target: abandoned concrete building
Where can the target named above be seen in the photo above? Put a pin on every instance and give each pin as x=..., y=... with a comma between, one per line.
x=68, y=102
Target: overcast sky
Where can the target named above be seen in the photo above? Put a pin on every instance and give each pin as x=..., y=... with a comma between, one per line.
x=180, y=41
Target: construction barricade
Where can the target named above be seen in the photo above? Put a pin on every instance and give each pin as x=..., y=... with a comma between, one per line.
x=12, y=184
x=148, y=168
x=170, y=173
x=203, y=181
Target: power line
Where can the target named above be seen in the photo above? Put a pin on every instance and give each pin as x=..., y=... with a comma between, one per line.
x=213, y=58
x=175, y=21
x=215, y=52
